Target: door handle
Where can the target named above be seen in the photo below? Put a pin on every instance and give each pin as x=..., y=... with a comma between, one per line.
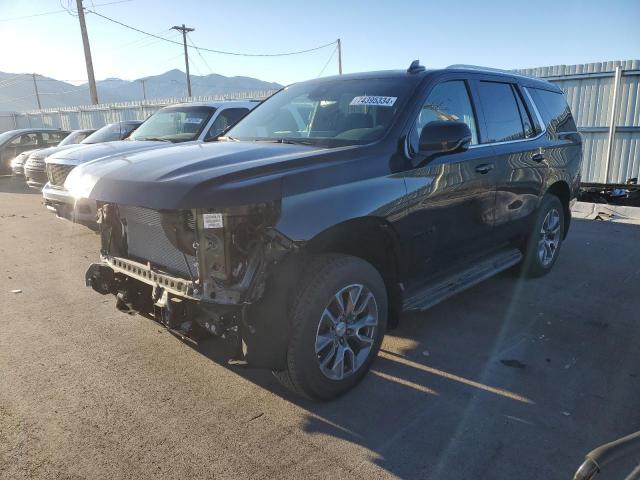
x=537, y=157
x=484, y=168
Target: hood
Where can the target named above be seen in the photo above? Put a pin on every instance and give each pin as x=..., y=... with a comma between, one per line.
x=87, y=152
x=45, y=152
x=198, y=176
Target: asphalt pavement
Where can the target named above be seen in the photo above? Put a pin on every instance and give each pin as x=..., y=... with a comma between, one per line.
x=513, y=379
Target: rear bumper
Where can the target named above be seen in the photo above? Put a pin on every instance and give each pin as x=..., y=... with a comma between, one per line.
x=64, y=205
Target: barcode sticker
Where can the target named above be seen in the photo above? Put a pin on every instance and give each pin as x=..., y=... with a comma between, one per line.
x=212, y=220
x=377, y=101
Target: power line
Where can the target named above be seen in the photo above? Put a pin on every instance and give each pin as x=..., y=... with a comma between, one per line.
x=54, y=12
x=141, y=42
x=222, y=52
x=198, y=50
x=328, y=61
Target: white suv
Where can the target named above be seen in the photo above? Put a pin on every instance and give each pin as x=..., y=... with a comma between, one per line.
x=185, y=123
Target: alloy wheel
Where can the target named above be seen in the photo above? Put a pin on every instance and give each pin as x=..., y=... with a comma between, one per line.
x=549, y=239
x=346, y=332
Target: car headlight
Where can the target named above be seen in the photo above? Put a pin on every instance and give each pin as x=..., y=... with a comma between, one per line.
x=78, y=184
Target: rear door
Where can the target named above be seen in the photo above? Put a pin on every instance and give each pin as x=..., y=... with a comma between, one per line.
x=512, y=131
x=451, y=198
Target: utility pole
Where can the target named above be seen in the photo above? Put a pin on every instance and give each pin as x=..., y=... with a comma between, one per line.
x=184, y=31
x=144, y=90
x=87, y=53
x=35, y=86
x=339, y=57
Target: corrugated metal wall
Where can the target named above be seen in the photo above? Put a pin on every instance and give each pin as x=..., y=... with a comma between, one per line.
x=611, y=145
x=96, y=116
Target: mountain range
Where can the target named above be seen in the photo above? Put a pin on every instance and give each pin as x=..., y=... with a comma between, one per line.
x=17, y=91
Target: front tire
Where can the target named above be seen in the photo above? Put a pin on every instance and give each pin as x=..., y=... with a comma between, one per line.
x=545, y=239
x=337, y=321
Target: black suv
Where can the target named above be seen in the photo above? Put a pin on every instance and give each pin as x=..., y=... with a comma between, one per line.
x=336, y=204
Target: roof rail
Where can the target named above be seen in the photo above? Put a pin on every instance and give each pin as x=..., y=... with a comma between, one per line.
x=491, y=70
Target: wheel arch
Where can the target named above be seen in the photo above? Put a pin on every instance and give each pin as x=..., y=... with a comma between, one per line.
x=374, y=240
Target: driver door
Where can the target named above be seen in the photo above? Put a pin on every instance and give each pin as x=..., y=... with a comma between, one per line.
x=451, y=198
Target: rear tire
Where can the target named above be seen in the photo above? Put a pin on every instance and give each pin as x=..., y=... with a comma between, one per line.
x=544, y=242
x=338, y=317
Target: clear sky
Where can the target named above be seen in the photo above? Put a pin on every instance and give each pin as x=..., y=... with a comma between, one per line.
x=375, y=35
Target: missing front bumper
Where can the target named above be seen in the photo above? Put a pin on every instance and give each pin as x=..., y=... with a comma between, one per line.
x=146, y=274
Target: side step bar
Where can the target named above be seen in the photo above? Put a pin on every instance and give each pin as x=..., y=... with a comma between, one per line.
x=445, y=287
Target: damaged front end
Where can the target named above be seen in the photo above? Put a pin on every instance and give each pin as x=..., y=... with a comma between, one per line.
x=196, y=271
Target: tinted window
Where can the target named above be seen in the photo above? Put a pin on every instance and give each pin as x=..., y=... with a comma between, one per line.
x=554, y=110
x=529, y=128
x=109, y=133
x=449, y=102
x=226, y=119
x=75, y=137
x=501, y=114
x=127, y=128
x=26, y=140
x=52, y=138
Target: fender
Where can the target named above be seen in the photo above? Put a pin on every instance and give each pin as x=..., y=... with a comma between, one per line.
x=305, y=215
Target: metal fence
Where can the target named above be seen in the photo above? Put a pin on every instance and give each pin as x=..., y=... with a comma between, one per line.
x=604, y=98
x=96, y=116
x=605, y=101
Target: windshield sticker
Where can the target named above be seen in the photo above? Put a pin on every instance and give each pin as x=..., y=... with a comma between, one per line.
x=192, y=120
x=374, y=101
x=212, y=220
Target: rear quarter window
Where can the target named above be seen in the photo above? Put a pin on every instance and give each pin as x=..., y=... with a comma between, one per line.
x=554, y=110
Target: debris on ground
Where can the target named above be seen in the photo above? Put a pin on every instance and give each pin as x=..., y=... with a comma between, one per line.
x=17, y=290
x=627, y=194
x=566, y=414
x=425, y=353
x=513, y=363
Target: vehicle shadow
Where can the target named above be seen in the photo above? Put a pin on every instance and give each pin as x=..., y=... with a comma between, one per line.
x=485, y=385
x=11, y=184
x=420, y=393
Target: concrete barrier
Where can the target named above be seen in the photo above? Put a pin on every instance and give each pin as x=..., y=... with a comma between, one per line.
x=606, y=212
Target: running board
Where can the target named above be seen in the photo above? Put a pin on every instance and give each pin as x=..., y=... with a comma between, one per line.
x=443, y=288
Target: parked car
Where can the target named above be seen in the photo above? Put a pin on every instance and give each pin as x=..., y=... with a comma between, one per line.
x=15, y=142
x=35, y=168
x=182, y=123
x=75, y=137
x=302, y=238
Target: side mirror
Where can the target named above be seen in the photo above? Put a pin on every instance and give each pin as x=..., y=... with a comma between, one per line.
x=444, y=137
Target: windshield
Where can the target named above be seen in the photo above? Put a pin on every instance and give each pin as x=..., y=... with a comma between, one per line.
x=332, y=113
x=174, y=124
x=75, y=137
x=110, y=133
